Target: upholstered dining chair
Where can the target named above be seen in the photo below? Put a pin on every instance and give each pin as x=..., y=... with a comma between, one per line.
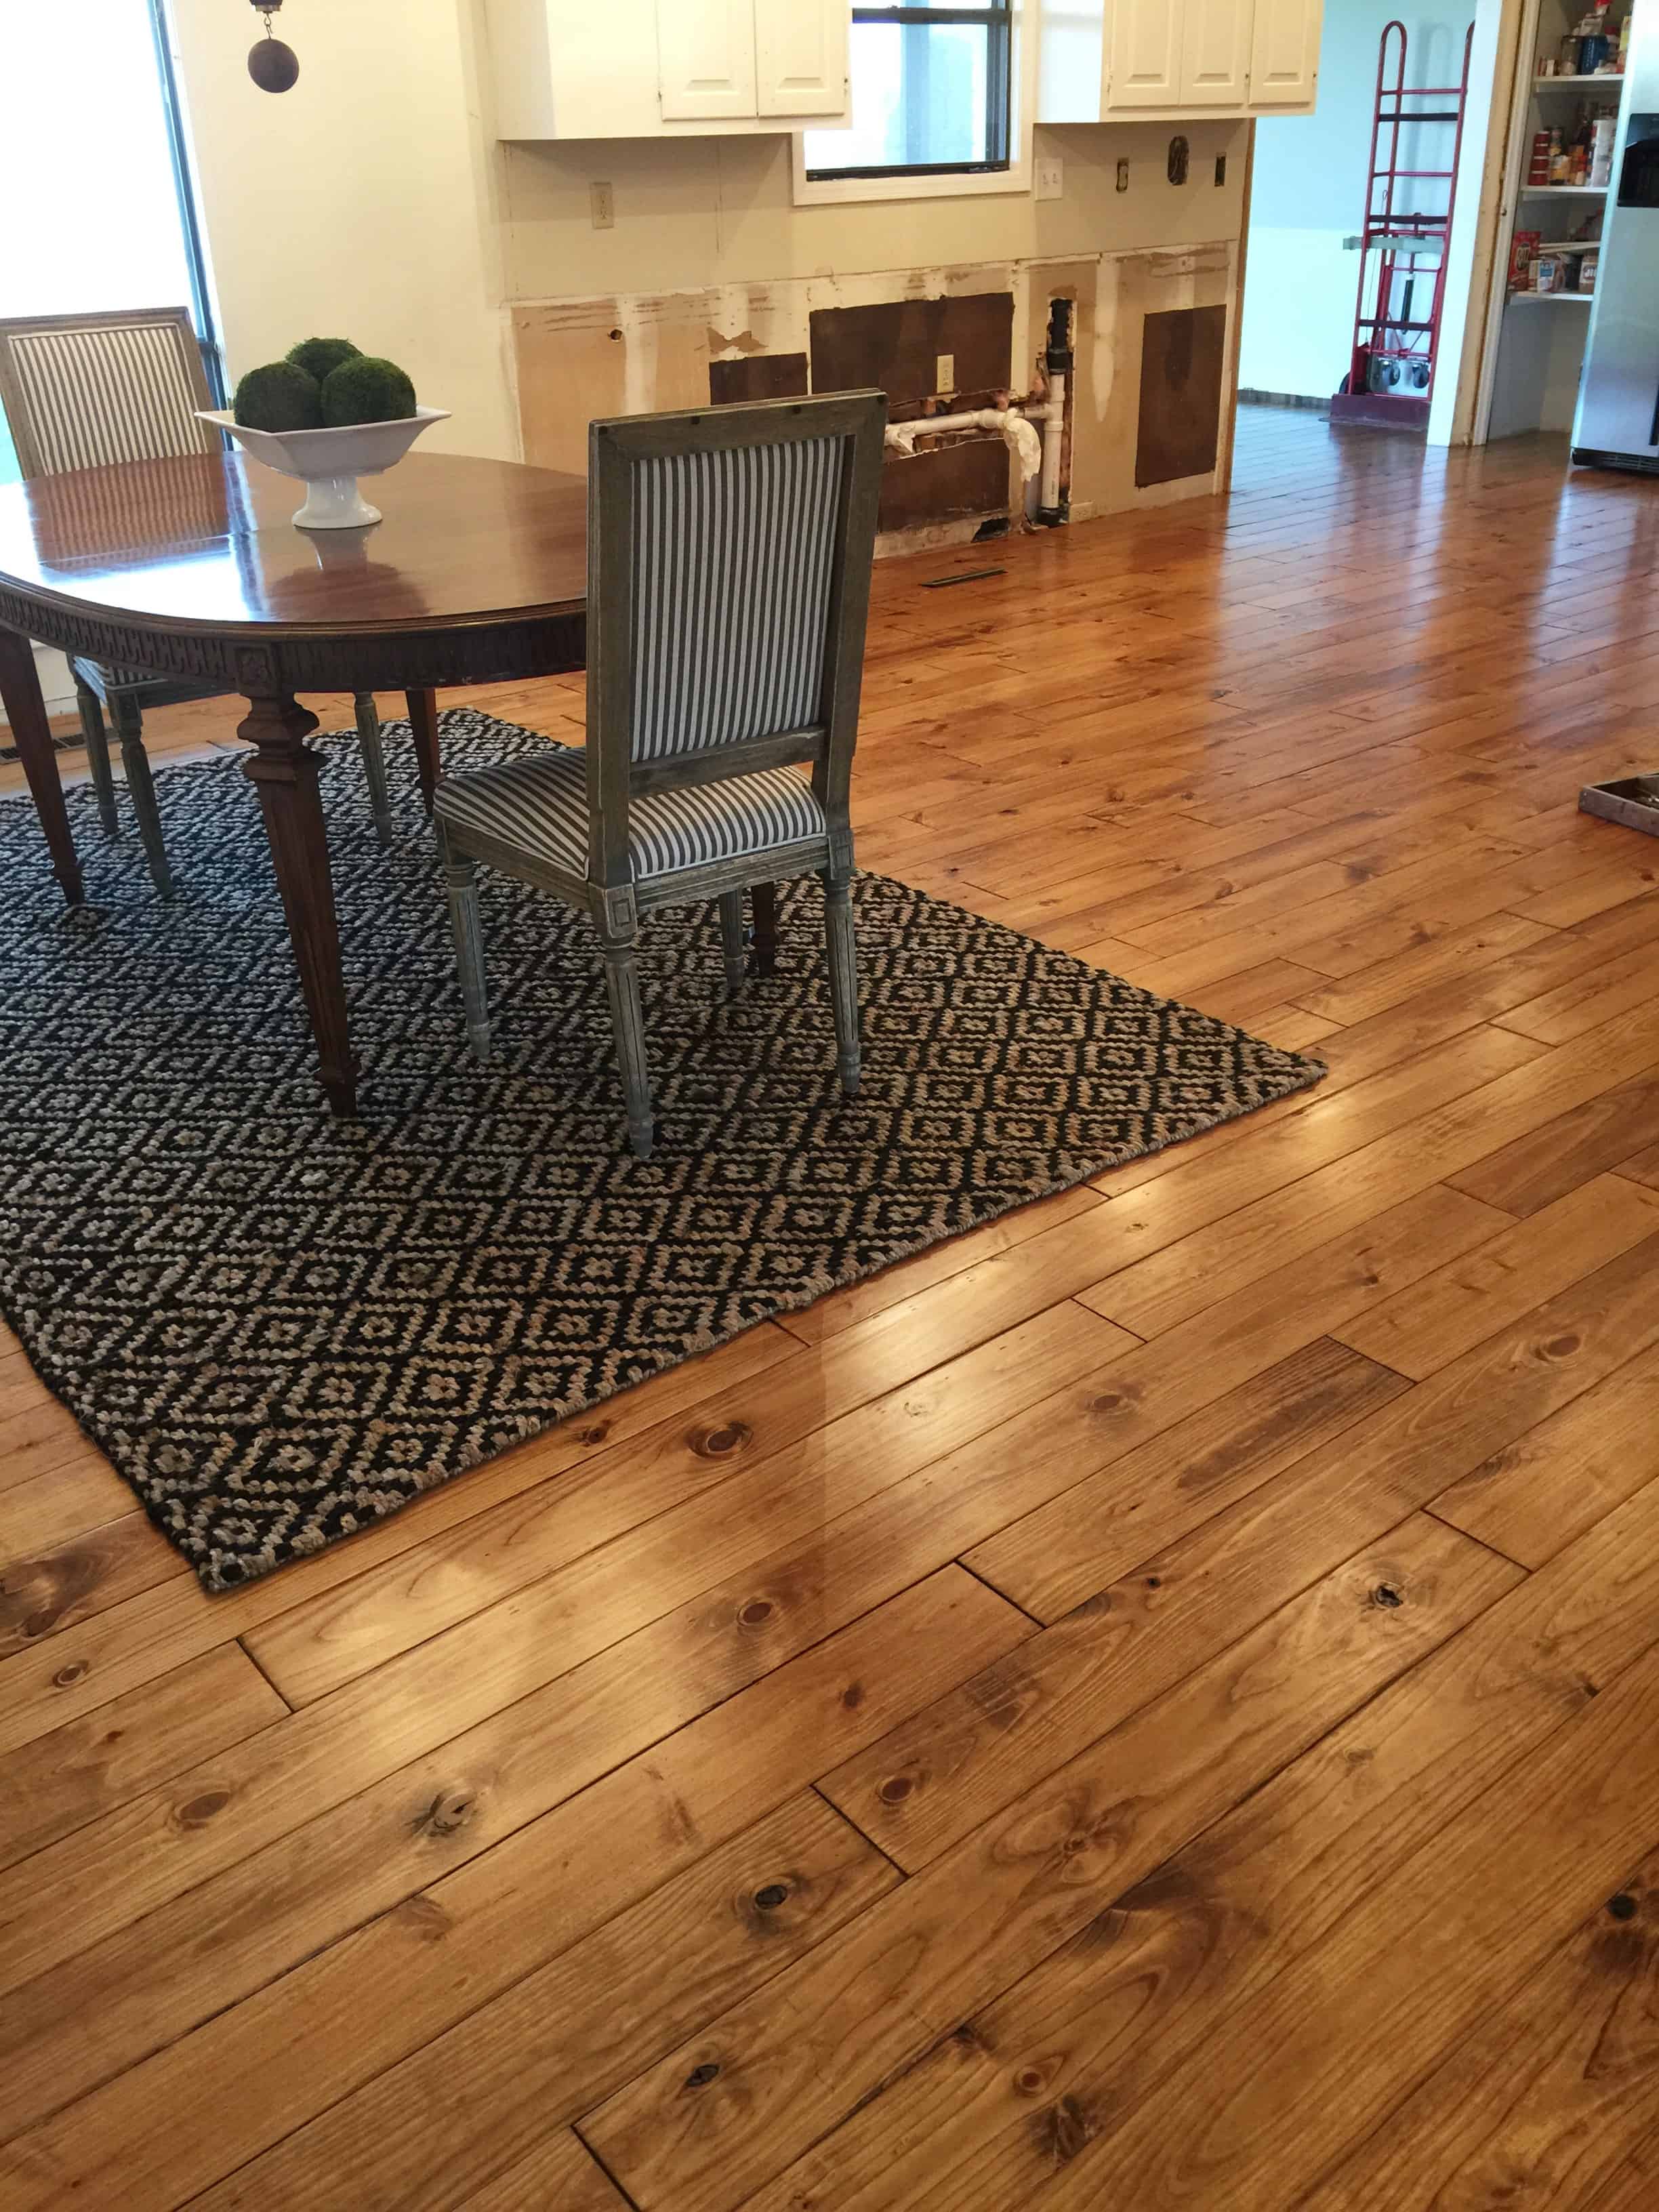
x=728, y=581
x=84, y=390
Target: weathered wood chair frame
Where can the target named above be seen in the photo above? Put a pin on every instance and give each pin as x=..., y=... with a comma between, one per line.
x=610, y=894
x=127, y=692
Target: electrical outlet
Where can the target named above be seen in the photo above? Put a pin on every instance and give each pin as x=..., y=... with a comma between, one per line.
x=1123, y=176
x=603, y=206
x=1221, y=169
x=945, y=372
x=1051, y=177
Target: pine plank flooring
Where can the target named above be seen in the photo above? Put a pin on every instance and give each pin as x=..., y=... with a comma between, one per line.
x=1155, y=1704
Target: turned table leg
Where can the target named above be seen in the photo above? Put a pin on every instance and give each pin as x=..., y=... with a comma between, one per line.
x=284, y=769
x=25, y=710
x=423, y=721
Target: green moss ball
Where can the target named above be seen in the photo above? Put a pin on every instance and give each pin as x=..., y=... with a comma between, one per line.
x=367, y=390
x=317, y=357
x=281, y=396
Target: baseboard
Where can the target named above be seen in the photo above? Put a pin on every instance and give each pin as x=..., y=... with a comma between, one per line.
x=1247, y=398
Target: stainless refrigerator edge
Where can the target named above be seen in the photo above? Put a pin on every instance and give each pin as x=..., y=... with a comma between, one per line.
x=1617, y=424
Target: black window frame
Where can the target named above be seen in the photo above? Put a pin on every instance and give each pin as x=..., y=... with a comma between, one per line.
x=996, y=19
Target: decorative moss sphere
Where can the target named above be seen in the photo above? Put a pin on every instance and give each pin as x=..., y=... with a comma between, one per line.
x=273, y=66
x=281, y=396
x=317, y=357
x=367, y=390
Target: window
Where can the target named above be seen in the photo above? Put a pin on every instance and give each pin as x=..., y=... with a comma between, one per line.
x=931, y=92
x=92, y=148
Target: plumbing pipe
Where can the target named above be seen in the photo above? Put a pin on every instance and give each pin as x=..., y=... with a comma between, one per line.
x=1013, y=423
x=1057, y=362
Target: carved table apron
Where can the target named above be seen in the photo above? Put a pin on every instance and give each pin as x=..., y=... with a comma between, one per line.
x=192, y=568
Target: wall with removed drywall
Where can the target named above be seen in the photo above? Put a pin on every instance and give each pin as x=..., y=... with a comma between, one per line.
x=478, y=264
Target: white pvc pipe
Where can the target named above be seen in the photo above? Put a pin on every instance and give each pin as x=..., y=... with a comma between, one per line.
x=1014, y=423
x=1053, y=436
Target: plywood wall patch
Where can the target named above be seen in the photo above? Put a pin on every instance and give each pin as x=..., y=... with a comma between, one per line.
x=1182, y=362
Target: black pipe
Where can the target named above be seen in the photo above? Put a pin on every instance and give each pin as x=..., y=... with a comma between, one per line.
x=1057, y=359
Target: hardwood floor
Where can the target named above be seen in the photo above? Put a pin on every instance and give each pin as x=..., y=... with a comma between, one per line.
x=1155, y=1704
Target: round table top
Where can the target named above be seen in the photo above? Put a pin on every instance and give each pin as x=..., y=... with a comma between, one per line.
x=206, y=542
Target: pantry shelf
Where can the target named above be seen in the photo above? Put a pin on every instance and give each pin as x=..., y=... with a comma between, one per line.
x=1554, y=299
x=1543, y=192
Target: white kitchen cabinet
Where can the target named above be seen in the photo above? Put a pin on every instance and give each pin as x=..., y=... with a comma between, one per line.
x=1215, y=53
x=706, y=60
x=1162, y=59
x=666, y=68
x=1144, y=63
x=1284, y=53
x=800, y=56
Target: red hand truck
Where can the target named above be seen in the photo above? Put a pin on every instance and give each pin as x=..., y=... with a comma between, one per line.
x=1390, y=377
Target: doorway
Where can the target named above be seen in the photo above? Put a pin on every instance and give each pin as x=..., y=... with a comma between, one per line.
x=1308, y=198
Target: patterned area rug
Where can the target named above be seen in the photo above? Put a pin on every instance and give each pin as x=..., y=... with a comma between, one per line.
x=281, y=1328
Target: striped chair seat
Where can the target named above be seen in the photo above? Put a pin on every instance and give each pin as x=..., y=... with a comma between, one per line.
x=538, y=807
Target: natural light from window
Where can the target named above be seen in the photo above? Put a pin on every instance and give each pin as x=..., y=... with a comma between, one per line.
x=930, y=91
x=86, y=174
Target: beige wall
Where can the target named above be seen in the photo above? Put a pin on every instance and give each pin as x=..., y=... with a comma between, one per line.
x=373, y=201
x=360, y=204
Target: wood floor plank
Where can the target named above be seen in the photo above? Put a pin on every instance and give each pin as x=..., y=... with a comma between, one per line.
x=947, y=1769
x=1544, y=2100
x=1170, y=1286
x=56, y=1783
x=313, y=1648
x=50, y=1592
x=559, y=2171
x=1543, y=1490
x=1475, y=1296
x=1555, y=1159
x=1099, y=1529
x=464, y=2110
x=995, y=2114
x=224, y=1950
x=1499, y=1886
x=799, y=2056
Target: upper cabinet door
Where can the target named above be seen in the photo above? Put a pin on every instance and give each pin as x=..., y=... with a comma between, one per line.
x=1144, y=55
x=706, y=60
x=1215, y=57
x=800, y=55
x=1284, y=53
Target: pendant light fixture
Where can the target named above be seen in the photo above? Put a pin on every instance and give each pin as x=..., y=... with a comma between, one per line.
x=272, y=65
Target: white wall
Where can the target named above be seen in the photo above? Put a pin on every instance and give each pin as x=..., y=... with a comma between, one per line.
x=1308, y=193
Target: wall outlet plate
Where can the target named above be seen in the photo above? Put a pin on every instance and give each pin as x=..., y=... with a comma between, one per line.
x=603, y=206
x=1051, y=177
x=945, y=372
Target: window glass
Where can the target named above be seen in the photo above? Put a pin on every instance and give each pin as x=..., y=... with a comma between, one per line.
x=930, y=91
x=86, y=169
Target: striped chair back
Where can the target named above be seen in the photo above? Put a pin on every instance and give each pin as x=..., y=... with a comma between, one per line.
x=733, y=556
x=83, y=391
x=729, y=556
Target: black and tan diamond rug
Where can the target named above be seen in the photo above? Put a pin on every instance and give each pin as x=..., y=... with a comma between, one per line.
x=280, y=1328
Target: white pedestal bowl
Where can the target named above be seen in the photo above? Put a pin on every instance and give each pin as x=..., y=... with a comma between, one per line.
x=330, y=462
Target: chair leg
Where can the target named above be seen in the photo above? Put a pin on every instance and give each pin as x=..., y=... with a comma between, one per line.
x=764, y=902
x=732, y=941
x=619, y=936
x=841, y=953
x=135, y=765
x=368, y=737
x=461, y=875
x=97, y=738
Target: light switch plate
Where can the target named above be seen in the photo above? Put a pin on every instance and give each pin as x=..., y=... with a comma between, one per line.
x=1051, y=177
x=603, y=206
x=945, y=372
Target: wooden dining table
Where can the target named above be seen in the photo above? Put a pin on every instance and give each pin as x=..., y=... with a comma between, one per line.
x=191, y=568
